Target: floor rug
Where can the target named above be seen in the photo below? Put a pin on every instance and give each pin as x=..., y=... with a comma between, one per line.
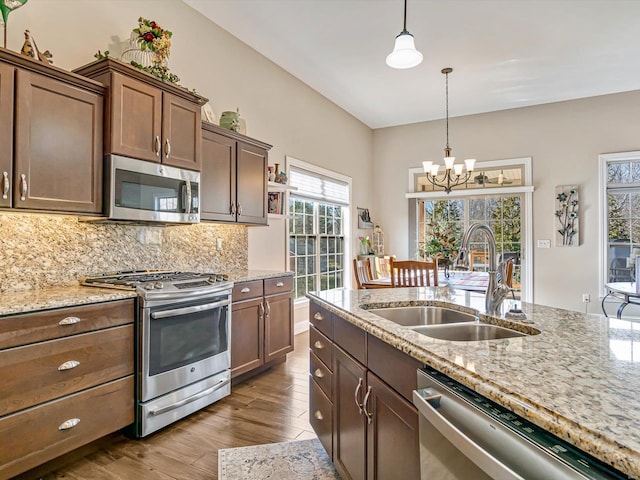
x=297, y=460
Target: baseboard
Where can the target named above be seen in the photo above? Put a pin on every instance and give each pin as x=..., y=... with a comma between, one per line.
x=300, y=327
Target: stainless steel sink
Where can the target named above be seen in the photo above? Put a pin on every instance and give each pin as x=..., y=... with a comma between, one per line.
x=423, y=315
x=468, y=332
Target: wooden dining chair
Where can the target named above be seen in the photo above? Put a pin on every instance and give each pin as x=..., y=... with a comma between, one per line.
x=384, y=266
x=480, y=258
x=508, y=281
x=414, y=273
x=362, y=272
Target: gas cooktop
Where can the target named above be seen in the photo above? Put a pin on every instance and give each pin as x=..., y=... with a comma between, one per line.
x=155, y=283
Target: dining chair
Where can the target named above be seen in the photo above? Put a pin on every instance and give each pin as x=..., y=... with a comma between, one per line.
x=362, y=272
x=509, y=276
x=384, y=266
x=413, y=273
x=480, y=258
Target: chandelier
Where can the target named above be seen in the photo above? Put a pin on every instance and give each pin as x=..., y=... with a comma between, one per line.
x=404, y=53
x=452, y=176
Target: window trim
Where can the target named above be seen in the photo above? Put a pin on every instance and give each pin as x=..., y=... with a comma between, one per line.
x=603, y=161
x=527, y=209
x=347, y=225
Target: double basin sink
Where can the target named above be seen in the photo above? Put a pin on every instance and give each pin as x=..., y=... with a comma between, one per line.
x=445, y=324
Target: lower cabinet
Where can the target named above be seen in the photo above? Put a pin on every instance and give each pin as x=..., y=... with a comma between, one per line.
x=369, y=429
x=261, y=324
x=67, y=379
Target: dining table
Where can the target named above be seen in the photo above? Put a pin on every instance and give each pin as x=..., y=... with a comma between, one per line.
x=458, y=279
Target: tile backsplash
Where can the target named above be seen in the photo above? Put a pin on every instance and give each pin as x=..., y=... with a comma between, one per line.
x=40, y=251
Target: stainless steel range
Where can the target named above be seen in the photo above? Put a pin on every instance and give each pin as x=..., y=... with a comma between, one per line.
x=184, y=339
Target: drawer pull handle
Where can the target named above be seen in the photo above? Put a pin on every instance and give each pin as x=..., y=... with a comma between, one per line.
x=318, y=373
x=318, y=415
x=69, y=321
x=319, y=345
x=66, y=425
x=318, y=316
x=245, y=290
x=68, y=365
x=280, y=284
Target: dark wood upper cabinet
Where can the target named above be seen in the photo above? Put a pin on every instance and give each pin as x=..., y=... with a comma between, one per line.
x=147, y=118
x=7, y=73
x=51, y=137
x=233, y=177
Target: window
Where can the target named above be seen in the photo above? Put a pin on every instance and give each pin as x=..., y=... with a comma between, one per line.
x=318, y=206
x=620, y=219
x=500, y=195
x=443, y=222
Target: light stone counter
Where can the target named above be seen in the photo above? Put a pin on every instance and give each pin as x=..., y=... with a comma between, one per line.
x=248, y=275
x=579, y=378
x=57, y=297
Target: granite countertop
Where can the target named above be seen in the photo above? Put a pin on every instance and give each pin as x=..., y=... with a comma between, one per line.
x=26, y=301
x=579, y=378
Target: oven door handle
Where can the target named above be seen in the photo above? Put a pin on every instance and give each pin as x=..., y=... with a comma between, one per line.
x=184, y=311
x=192, y=398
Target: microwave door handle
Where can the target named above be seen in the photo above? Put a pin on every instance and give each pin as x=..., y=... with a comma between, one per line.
x=186, y=196
x=184, y=311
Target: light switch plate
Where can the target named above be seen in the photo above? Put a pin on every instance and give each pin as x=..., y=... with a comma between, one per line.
x=543, y=244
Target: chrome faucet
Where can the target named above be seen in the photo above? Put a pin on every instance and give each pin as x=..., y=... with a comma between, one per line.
x=496, y=289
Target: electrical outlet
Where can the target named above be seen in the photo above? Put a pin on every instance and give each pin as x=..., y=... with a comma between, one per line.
x=586, y=298
x=219, y=244
x=544, y=243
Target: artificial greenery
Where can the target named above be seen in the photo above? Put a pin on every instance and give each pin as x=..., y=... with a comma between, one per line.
x=159, y=71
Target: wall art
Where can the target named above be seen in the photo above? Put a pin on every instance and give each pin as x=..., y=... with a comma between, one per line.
x=567, y=216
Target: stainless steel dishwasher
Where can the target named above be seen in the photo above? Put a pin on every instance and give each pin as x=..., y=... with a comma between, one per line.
x=466, y=436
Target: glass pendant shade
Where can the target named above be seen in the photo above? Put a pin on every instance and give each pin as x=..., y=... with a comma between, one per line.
x=404, y=53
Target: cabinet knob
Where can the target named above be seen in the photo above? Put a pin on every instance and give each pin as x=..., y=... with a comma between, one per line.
x=5, y=185
x=319, y=345
x=318, y=373
x=280, y=284
x=69, y=321
x=167, y=149
x=67, y=424
x=318, y=316
x=318, y=415
x=245, y=290
x=158, y=146
x=23, y=187
x=68, y=365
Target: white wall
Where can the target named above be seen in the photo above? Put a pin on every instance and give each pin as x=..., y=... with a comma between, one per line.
x=564, y=140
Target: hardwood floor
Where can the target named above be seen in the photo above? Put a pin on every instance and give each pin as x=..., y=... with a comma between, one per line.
x=271, y=407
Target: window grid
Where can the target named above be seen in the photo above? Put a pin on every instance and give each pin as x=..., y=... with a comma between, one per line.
x=316, y=245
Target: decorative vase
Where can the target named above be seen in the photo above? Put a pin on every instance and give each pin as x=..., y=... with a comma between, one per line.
x=230, y=121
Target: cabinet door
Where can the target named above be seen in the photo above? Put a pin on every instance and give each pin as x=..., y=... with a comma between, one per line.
x=6, y=133
x=251, y=177
x=181, y=125
x=278, y=326
x=136, y=119
x=218, y=178
x=350, y=423
x=393, y=446
x=58, y=146
x=247, y=333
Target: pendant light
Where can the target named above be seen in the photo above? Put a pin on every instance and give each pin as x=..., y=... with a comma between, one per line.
x=452, y=176
x=404, y=53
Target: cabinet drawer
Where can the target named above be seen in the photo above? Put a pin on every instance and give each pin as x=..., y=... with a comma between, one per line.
x=37, y=373
x=396, y=368
x=321, y=346
x=352, y=339
x=246, y=290
x=321, y=374
x=273, y=286
x=321, y=318
x=36, y=327
x=321, y=417
x=33, y=436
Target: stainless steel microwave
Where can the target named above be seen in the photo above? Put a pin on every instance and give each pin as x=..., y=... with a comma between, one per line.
x=140, y=191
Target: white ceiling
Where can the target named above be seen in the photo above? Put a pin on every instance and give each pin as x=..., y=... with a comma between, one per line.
x=505, y=53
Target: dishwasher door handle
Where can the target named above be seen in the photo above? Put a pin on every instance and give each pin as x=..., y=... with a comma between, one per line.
x=479, y=456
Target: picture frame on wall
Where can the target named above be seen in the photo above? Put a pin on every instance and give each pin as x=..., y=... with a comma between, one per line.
x=364, y=219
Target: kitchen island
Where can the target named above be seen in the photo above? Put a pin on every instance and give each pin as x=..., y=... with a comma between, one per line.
x=578, y=378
